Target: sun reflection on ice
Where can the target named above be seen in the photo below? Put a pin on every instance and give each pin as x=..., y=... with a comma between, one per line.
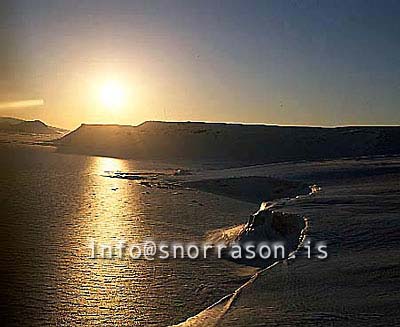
x=108, y=166
x=111, y=211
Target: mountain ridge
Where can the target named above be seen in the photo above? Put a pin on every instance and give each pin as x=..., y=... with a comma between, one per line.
x=230, y=142
x=15, y=125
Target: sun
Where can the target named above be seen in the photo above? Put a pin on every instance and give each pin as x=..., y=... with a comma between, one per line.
x=112, y=95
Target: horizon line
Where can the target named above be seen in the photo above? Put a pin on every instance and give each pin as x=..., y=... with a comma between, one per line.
x=215, y=122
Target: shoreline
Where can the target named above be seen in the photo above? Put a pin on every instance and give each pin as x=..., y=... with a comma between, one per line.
x=232, y=187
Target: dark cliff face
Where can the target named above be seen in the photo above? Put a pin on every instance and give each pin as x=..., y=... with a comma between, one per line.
x=230, y=142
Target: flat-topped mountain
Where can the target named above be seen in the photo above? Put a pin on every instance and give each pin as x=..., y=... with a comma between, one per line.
x=14, y=125
x=230, y=142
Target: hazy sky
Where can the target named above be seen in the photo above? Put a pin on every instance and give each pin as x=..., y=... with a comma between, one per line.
x=273, y=62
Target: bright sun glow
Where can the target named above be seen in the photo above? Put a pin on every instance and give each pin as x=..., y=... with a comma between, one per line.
x=112, y=95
